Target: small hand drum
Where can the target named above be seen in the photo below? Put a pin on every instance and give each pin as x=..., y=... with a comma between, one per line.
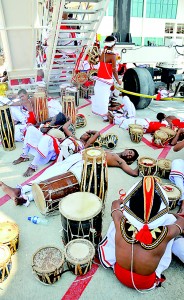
x=173, y=194
x=171, y=133
x=80, y=121
x=164, y=168
x=160, y=138
x=79, y=256
x=136, y=134
x=99, y=141
x=68, y=107
x=134, y=126
x=47, y=264
x=9, y=235
x=5, y=262
x=110, y=141
x=147, y=166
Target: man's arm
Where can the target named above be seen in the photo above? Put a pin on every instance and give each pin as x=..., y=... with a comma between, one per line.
x=113, y=160
x=178, y=146
x=175, y=139
x=116, y=212
x=66, y=130
x=177, y=228
x=92, y=139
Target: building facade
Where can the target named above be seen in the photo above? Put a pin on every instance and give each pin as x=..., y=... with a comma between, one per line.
x=152, y=22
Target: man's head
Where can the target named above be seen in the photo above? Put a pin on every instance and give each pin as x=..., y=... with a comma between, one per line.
x=110, y=41
x=23, y=95
x=129, y=155
x=161, y=116
x=59, y=119
x=85, y=137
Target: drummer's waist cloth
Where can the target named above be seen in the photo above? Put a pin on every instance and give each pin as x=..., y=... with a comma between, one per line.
x=134, y=280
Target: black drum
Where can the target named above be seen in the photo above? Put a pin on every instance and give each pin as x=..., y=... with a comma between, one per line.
x=7, y=128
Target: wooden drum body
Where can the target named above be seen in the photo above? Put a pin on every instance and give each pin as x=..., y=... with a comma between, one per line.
x=164, y=168
x=134, y=126
x=79, y=256
x=160, y=138
x=110, y=141
x=9, y=235
x=136, y=134
x=80, y=121
x=48, y=193
x=171, y=133
x=147, y=166
x=81, y=217
x=68, y=107
x=7, y=129
x=5, y=262
x=47, y=264
x=41, y=106
x=94, y=174
x=173, y=194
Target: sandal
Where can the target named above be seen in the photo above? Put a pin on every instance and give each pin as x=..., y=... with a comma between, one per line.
x=20, y=160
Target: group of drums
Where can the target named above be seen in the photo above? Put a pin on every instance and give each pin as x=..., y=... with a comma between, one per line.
x=160, y=168
x=160, y=138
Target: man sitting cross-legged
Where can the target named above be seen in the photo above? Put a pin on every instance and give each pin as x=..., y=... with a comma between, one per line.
x=138, y=244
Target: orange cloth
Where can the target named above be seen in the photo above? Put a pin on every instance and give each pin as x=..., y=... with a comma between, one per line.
x=105, y=70
x=153, y=126
x=141, y=282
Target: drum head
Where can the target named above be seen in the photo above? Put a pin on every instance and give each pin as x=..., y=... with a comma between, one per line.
x=39, y=198
x=164, y=164
x=168, y=130
x=94, y=152
x=172, y=191
x=47, y=259
x=5, y=255
x=80, y=206
x=79, y=251
x=147, y=161
x=8, y=231
x=56, y=133
x=161, y=134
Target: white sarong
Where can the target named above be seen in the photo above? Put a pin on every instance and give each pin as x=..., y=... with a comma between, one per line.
x=100, y=100
x=177, y=175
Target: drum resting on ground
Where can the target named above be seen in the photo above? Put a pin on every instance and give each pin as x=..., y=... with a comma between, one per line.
x=48, y=193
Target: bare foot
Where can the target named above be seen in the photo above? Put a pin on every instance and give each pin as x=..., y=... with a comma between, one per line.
x=29, y=172
x=20, y=160
x=12, y=192
x=110, y=117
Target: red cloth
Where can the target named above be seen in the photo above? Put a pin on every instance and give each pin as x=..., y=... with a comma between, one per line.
x=25, y=80
x=141, y=282
x=31, y=119
x=14, y=82
x=153, y=126
x=105, y=70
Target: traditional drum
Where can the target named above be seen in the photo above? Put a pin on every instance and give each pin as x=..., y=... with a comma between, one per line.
x=110, y=141
x=80, y=121
x=136, y=134
x=94, y=173
x=160, y=138
x=99, y=141
x=68, y=107
x=173, y=194
x=133, y=126
x=9, y=235
x=81, y=217
x=47, y=264
x=79, y=256
x=171, y=133
x=41, y=106
x=48, y=193
x=158, y=179
x=147, y=166
x=164, y=168
x=7, y=128
x=73, y=91
x=5, y=262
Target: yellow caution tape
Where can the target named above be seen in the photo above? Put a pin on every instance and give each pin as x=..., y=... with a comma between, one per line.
x=147, y=96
